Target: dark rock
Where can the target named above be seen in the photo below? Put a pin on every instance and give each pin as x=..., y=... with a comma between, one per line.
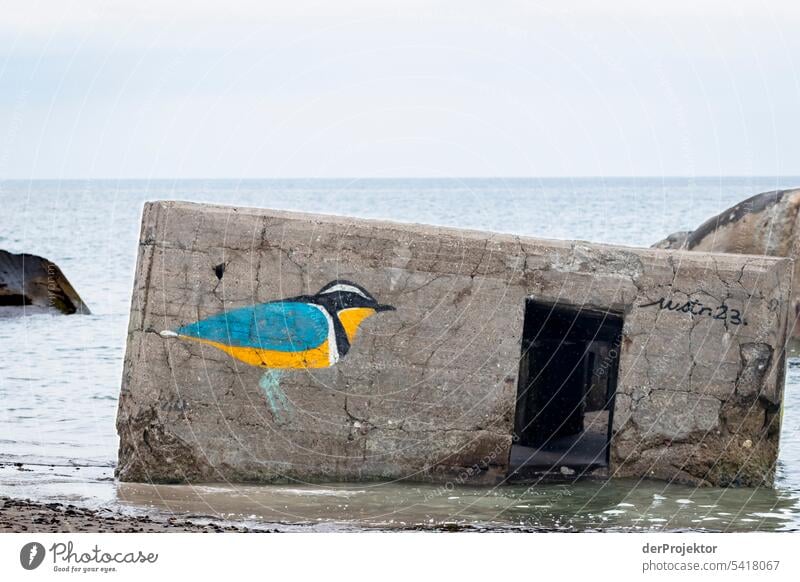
x=31, y=285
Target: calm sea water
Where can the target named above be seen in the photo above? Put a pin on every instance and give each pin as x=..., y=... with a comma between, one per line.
x=59, y=376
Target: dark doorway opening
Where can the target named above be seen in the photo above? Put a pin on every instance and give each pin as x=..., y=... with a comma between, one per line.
x=565, y=394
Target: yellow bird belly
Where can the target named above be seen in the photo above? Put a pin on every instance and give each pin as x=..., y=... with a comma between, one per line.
x=318, y=357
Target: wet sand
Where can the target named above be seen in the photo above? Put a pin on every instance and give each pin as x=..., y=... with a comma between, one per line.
x=18, y=516
x=25, y=516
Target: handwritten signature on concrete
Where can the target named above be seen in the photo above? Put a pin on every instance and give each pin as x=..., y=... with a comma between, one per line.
x=721, y=312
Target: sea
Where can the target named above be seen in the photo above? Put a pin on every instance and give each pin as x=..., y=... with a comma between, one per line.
x=60, y=376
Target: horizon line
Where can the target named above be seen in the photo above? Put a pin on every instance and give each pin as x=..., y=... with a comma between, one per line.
x=353, y=178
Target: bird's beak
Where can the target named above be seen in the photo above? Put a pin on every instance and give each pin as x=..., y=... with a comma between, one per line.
x=380, y=308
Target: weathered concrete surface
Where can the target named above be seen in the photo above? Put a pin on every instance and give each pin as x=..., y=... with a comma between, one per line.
x=31, y=284
x=765, y=224
x=427, y=392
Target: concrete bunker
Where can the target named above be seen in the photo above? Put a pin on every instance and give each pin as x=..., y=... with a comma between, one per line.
x=270, y=346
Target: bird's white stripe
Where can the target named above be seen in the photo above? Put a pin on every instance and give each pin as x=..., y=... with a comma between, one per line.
x=343, y=287
x=333, y=349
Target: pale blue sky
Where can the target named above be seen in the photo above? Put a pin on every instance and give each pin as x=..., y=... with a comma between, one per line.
x=148, y=89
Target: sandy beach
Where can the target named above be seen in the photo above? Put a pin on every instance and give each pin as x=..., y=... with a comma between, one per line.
x=22, y=516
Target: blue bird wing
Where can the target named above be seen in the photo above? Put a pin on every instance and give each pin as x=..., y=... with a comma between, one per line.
x=282, y=326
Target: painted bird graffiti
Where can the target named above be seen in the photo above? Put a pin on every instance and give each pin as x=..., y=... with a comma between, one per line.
x=307, y=331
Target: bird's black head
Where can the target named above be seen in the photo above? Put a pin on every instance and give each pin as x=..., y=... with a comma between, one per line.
x=349, y=304
x=340, y=294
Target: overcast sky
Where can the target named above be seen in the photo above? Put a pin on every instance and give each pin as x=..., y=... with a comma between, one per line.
x=105, y=89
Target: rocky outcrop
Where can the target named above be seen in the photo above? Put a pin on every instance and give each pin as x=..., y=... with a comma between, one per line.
x=765, y=224
x=31, y=284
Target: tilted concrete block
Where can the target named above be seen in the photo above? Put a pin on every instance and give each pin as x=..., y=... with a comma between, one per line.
x=270, y=346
